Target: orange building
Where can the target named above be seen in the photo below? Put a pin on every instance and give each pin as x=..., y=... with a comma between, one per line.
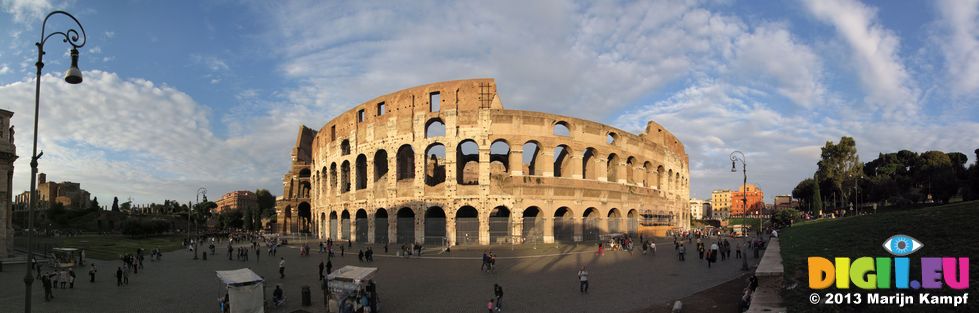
x=236, y=200
x=755, y=200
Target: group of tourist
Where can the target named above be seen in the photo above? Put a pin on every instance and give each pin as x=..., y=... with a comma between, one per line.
x=64, y=279
x=366, y=255
x=489, y=262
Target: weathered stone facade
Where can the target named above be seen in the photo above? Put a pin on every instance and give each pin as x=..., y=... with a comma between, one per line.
x=8, y=153
x=466, y=171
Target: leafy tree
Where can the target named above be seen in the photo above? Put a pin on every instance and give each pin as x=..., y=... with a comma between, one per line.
x=840, y=165
x=817, y=197
x=126, y=206
x=785, y=216
x=94, y=206
x=804, y=192
x=971, y=190
x=115, y=204
x=936, y=176
x=266, y=202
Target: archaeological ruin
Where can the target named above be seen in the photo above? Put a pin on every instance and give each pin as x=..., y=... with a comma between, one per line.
x=446, y=164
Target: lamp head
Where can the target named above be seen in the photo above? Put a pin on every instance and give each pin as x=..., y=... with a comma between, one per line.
x=74, y=75
x=733, y=168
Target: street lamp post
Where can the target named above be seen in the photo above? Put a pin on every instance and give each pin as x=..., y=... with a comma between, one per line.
x=737, y=156
x=200, y=191
x=72, y=76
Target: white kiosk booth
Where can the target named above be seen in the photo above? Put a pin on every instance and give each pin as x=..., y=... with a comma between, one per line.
x=245, y=289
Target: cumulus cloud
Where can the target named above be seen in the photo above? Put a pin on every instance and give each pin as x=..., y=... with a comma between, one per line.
x=23, y=10
x=885, y=80
x=960, y=45
x=132, y=137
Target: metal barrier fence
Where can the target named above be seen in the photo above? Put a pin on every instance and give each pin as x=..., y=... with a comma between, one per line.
x=362, y=229
x=345, y=229
x=434, y=230
x=564, y=230
x=499, y=230
x=334, y=231
x=406, y=230
x=533, y=230
x=590, y=230
x=467, y=231
x=381, y=230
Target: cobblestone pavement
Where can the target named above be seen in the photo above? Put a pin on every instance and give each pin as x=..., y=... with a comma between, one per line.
x=534, y=280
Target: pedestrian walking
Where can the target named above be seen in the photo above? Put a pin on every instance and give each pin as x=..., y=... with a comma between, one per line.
x=119, y=276
x=46, y=282
x=71, y=278
x=498, y=292
x=360, y=256
x=682, y=251
x=282, y=268
x=583, y=280
x=329, y=267
x=737, y=250
x=91, y=273
x=321, y=269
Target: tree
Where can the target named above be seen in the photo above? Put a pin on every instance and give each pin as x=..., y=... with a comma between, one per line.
x=804, y=192
x=266, y=202
x=817, y=198
x=94, y=206
x=971, y=191
x=937, y=176
x=115, y=204
x=840, y=165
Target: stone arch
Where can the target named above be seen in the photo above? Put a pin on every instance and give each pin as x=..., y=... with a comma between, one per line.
x=561, y=128
x=589, y=163
x=304, y=173
x=676, y=182
x=322, y=231
x=467, y=226
x=435, y=230
x=381, y=226
x=362, y=225
x=434, y=128
x=562, y=161
x=305, y=213
x=589, y=221
x=361, y=172
x=345, y=147
x=435, y=164
x=406, y=226
x=611, y=138
x=333, y=176
x=334, y=225
x=613, y=168
x=660, y=171
x=632, y=222
x=287, y=225
x=324, y=181
x=531, y=157
x=499, y=157
x=669, y=180
x=499, y=225
x=614, y=221
x=406, y=162
x=467, y=162
x=630, y=170
x=533, y=225
x=647, y=168
x=564, y=225
x=345, y=225
x=345, y=176
x=380, y=167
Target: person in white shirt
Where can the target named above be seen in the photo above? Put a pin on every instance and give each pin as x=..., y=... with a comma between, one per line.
x=282, y=268
x=583, y=279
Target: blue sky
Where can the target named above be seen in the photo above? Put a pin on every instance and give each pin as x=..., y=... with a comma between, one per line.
x=182, y=94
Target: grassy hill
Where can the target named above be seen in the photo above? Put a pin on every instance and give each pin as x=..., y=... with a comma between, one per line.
x=948, y=230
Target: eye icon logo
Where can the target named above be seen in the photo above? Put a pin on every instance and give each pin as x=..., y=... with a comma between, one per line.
x=901, y=245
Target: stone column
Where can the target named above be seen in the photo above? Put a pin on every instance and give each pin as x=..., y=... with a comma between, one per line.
x=546, y=162
x=516, y=226
x=484, y=165
x=450, y=166
x=393, y=227
x=419, y=225
x=601, y=169
x=574, y=168
x=548, y=228
x=370, y=228
x=353, y=226
x=484, y=235
x=370, y=171
x=450, y=228
x=578, y=229
x=603, y=225
x=622, y=175
x=516, y=162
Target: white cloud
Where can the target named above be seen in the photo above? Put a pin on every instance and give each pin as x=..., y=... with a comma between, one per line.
x=4, y=69
x=792, y=66
x=961, y=44
x=127, y=137
x=883, y=76
x=22, y=10
x=110, y=34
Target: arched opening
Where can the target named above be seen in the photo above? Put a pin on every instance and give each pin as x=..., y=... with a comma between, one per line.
x=380, y=167
x=362, y=225
x=499, y=157
x=322, y=231
x=467, y=163
x=434, y=226
x=305, y=217
x=531, y=154
x=434, y=128
x=615, y=221
x=333, y=176
x=288, y=227
x=669, y=180
x=361, y=172
x=677, y=183
x=630, y=168
x=659, y=177
x=406, y=226
x=345, y=225
x=533, y=225
x=381, y=226
x=562, y=161
x=564, y=225
x=435, y=164
x=562, y=129
x=611, y=138
x=467, y=226
x=345, y=176
x=324, y=181
x=406, y=163
x=613, y=168
x=588, y=164
x=499, y=225
x=334, y=226
x=589, y=221
x=632, y=222
x=304, y=173
x=345, y=147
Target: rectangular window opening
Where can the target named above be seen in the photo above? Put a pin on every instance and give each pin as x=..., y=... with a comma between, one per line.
x=360, y=116
x=333, y=132
x=434, y=101
x=380, y=109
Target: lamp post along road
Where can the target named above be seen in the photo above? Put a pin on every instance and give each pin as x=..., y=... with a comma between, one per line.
x=72, y=76
x=200, y=191
x=737, y=156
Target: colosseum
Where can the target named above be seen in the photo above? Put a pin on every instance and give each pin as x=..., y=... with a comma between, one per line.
x=446, y=164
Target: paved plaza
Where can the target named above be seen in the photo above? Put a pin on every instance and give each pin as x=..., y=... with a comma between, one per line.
x=534, y=280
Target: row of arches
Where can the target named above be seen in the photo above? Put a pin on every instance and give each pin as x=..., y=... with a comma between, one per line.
x=466, y=226
x=565, y=162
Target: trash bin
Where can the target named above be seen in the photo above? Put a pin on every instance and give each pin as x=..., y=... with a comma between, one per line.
x=306, y=296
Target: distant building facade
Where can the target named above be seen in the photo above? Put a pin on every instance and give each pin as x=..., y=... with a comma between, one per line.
x=68, y=194
x=697, y=209
x=753, y=194
x=8, y=153
x=237, y=200
x=786, y=202
x=720, y=202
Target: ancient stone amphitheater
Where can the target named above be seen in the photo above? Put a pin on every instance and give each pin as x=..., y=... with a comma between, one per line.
x=446, y=164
